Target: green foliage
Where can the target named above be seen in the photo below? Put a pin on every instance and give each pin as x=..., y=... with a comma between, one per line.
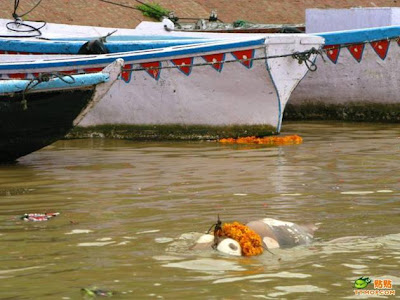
x=153, y=10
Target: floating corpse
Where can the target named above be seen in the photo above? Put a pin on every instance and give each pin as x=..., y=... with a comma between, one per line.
x=250, y=239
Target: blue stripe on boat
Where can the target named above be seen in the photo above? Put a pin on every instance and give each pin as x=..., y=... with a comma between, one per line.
x=13, y=86
x=130, y=57
x=72, y=47
x=360, y=35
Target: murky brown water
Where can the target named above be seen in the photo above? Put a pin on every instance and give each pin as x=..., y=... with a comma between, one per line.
x=128, y=211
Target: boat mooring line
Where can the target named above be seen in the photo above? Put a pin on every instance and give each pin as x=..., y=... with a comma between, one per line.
x=303, y=56
x=45, y=77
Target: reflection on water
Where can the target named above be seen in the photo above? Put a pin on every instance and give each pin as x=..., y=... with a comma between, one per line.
x=130, y=210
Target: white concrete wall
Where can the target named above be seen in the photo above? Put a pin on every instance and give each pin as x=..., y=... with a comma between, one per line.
x=324, y=20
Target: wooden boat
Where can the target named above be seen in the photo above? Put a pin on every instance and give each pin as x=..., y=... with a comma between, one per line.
x=208, y=90
x=357, y=80
x=36, y=112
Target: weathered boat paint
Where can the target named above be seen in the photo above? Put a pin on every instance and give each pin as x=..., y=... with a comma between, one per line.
x=360, y=35
x=39, y=46
x=67, y=82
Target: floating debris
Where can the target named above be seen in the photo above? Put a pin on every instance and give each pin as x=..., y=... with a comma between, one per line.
x=95, y=244
x=104, y=239
x=163, y=240
x=206, y=264
x=79, y=231
x=357, y=193
x=148, y=231
x=123, y=243
x=35, y=217
x=267, y=140
x=94, y=292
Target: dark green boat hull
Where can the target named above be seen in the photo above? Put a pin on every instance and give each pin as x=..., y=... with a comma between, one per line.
x=44, y=118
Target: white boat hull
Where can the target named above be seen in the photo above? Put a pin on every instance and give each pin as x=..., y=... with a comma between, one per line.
x=235, y=96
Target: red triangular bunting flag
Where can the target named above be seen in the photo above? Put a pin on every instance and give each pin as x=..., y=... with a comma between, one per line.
x=183, y=64
x=216, y=60
x=356, y=50
x=126, y=74
x=245, y=57
x=93, y=70
x=70, y=72
x=381, y=48
x=155, y=73
x=332, y=51
x=17, y=76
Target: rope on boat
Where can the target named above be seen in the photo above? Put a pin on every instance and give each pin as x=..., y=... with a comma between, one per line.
x=303, y=56
x=18, y=22
x=43, y=77
x=16, y=4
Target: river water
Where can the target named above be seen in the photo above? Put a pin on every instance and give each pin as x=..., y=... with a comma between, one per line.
x=129, y=211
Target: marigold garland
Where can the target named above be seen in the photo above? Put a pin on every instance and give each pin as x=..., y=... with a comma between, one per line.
x=268, y=140
x=249, y=241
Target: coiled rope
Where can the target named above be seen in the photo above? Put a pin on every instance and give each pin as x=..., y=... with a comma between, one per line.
x=18, y=26
x=304, y=57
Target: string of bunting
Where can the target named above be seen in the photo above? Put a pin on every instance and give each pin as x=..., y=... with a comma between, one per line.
x=245, y=57
x=211, y=60
x=380, y=47
x=217, y=60
x=331, y=51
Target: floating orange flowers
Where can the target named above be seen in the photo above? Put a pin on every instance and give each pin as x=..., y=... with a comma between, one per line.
x=268, y=140
x=249, y=241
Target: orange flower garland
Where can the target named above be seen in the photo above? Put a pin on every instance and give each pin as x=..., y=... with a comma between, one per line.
x=249, y=241
x=267, y=140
